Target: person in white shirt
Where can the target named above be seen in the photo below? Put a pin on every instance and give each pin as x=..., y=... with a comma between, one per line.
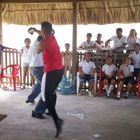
x=125, y=75
x=120, y=41
x=109, y=75
x=132, y=39
x=88, y=43
x=135, y=55
x=24, y=52
x=35, y=62
x=87, y=71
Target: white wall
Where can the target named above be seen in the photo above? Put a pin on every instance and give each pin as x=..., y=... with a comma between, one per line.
x=14, y=35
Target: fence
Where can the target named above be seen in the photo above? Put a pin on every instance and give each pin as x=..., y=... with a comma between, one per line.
x=13, y=56
x=99, y=58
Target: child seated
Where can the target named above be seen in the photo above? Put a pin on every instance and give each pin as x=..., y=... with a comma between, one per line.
x=109, y=75
x=126, y=77
x=135, y=56
x=87, y=70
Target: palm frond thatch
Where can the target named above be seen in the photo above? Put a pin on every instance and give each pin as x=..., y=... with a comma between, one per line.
x=88, y=12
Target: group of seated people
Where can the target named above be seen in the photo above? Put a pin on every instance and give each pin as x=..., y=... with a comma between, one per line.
x=119, y=41
x=126, y=74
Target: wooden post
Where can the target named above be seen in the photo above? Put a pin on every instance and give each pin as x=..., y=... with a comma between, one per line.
x=1, y=22
x=74, y=41
x=0, y=31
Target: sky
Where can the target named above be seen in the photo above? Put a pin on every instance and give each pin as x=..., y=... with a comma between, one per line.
x=14, y=35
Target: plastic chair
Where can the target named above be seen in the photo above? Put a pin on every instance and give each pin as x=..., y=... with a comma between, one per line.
x=137, y=85
x=11, y=72
x=78, y=83
x=100, y=82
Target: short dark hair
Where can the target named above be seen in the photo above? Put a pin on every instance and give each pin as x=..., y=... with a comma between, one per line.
x=67, y=44
x=119, y=29
x=39, y=38
x=89, y=34
x=89, y=53
x=109, y=56
x=126, y=58
x=99, y=34
x=27, y=39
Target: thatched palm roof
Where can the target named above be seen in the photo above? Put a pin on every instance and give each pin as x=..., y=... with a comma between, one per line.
x=61, y=12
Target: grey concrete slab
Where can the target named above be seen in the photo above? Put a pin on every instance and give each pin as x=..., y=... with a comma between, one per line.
x=104, y=119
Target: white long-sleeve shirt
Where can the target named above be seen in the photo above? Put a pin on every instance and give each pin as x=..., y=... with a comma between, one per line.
x=33, y=58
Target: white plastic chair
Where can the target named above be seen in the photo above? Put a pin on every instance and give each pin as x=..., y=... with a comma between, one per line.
x=78, y=83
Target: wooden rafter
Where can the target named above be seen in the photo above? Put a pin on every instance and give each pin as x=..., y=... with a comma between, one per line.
x=107, y=10
x=132, y=6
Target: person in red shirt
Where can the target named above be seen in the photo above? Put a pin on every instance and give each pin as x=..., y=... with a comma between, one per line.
x=53, y=70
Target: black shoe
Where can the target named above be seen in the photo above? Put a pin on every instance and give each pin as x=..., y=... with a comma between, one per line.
x=59, y=125
x=37, y=115
x=29, y=101
x=126, y=96
x=118, y=98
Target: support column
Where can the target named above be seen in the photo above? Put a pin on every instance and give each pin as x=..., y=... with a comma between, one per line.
x=74, y=41
x=1, y=22
x=0, y=33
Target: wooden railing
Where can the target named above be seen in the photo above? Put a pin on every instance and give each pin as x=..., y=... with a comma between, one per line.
x=99, y=58
x=13, y=56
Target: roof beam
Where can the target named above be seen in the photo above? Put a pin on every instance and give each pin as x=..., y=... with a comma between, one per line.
x=0, y=24
x=33, y=1
x=49, y=1
x=132, y=6
x=107, y=10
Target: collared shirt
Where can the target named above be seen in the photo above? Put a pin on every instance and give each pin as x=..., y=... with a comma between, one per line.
x=34, y=59
x=136, y=59
x=126, y=70
x=87, y=67
x=132, y=41
x=109, y=69
x=24, y=54
x=86, y=44
x=119, y=42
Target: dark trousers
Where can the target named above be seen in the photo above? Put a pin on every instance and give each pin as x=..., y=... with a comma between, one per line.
x=53, y=79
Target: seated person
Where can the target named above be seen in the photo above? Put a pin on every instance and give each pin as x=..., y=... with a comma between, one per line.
x=87, y=70
x=120, y=41
x=125, y=77
x=109, y=75
x=88, y=43
x=135, y=56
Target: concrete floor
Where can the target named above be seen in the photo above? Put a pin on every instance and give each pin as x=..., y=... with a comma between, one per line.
x=104, y=119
